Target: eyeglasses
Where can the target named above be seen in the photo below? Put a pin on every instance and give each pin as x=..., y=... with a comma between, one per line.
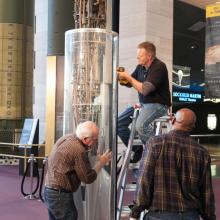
x=93, y=139
x=171, y=116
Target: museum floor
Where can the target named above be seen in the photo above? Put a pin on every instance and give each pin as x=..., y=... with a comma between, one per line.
x=13, y=205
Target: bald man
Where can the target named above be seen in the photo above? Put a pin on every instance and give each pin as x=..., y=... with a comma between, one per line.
x=68, y=166
x=176, y=181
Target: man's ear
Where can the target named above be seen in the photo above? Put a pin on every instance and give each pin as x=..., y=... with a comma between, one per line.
x=150, y=56
x=84, y=140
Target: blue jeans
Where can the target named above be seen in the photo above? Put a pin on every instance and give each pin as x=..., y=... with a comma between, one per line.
x=124, y=120
x=191, y=215
x=148, y=113
x=60, y=205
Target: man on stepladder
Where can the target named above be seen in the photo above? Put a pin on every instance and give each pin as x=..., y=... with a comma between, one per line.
x=150, y=80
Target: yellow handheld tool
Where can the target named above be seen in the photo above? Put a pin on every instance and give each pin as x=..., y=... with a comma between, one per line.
x=122, y=81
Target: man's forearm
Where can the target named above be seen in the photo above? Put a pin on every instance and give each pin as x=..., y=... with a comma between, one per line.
x=136, y=84
x=98, y=166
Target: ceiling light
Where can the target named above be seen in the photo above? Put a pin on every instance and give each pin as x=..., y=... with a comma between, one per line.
x=211, y=121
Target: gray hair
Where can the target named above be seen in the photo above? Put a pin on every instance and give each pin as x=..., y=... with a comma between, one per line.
x=85, y=129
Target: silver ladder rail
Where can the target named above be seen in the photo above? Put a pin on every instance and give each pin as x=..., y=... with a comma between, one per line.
x=121, y=182
x=122, y=179
x=159, y=124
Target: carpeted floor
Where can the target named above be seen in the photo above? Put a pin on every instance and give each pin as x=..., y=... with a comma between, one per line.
x=14, y=206
x=216, y=187
x=12, y=202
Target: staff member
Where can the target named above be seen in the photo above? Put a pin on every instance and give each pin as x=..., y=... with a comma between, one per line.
x=150, y=80
x=68, y=166
x=176, y=182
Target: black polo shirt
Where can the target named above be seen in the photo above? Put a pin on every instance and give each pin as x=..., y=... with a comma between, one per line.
x=156, y=74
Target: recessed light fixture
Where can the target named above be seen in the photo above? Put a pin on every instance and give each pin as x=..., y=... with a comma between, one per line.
x=211, y=121
x=192, y=47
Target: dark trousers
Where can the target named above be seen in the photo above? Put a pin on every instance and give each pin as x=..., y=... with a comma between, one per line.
x=190, y=215
x=124, y=120
x=60, y=205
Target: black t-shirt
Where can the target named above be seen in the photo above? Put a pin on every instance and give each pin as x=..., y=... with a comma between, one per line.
x=156, y=74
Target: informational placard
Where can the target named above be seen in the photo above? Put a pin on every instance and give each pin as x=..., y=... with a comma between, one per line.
x=212, y=55
x=29, y=135
x=187, y=97
x=28, y=132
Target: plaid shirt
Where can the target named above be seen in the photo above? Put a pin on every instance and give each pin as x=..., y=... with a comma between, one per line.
x=68, y=164
x=176, y=177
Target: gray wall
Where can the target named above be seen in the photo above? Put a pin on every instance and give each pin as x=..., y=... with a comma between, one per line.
x=143, y=20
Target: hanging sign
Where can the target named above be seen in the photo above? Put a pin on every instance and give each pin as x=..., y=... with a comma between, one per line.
x=212, y=55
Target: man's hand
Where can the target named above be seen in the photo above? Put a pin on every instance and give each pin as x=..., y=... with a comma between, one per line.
x=105, y=158
x=132, y=218
x=122, y=75
x=128, y=79
x=123, y=78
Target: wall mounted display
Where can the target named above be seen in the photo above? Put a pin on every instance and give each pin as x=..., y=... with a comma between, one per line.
x=188, y=54
x=212, y=55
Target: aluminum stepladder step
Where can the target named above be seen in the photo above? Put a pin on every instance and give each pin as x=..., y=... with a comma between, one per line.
x=160, y=124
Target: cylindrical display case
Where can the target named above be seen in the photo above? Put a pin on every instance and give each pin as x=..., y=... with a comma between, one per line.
x=90, y=93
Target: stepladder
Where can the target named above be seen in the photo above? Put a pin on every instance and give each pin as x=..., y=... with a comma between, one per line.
x=124, y=184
